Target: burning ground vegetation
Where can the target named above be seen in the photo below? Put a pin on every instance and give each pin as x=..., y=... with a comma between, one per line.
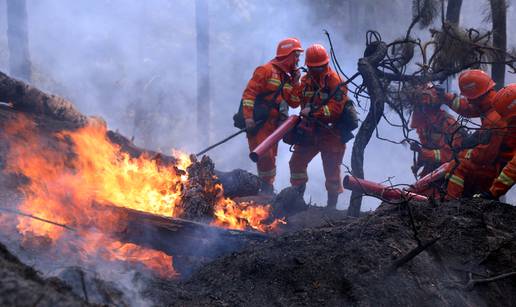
x=127, y=227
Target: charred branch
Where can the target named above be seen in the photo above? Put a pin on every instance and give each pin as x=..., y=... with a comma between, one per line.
x=472, y=282
x=411, y=255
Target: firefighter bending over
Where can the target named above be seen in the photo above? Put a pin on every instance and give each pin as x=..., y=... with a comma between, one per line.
x=328, y=119
x=437, y=130
x=505, y=105
x=479, y=166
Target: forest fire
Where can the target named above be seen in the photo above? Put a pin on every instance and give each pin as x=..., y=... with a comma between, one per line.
x=71, y=179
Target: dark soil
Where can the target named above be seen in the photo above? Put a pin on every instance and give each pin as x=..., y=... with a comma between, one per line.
x=349, y=262
x=20, y=285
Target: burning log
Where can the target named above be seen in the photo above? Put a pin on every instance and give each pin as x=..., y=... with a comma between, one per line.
x=181, y=237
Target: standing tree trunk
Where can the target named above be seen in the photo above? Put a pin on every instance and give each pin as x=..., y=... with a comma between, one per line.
x=499, y=19
x=203, y=71
x=453, y=11
x=367, y=69
x=18, y=40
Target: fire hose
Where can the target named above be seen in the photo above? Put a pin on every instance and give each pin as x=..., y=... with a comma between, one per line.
x=274, y=138
x=379, y=190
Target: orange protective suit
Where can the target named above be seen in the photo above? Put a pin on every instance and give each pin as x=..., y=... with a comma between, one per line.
x=437, y=130
x=477, y=167
x=321, y=139
x=264, y=83
x=505, y=105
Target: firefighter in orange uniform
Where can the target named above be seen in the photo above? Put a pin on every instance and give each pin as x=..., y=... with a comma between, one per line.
x=477, y=167
x=505, y=105
x=270, y=89
x=438, y=132
x=323, y=99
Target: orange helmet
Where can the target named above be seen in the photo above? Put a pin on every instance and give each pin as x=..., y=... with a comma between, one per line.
x=316, y=55
x=287, y=46
x=475, y=83
x=505, y=101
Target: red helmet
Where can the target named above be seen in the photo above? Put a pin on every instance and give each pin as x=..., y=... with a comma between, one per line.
x=287, y=46
x=316, y=55
x=475, y=83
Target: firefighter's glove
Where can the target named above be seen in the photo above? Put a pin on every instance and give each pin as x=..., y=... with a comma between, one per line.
x=250, y=124
x=295, y=75
x=485, y=195
x=414, y=146
x=440, y=91
x=306, y=112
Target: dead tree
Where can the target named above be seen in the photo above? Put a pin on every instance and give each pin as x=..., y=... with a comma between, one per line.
x=18, y=39
x=499, y=29
x=203, y=70
x=375, y=52
x=453, y=11
x=384, y=75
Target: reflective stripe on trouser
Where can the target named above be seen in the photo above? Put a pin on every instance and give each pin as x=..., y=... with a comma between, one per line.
x=266, y=165
x=505, y=180
x=468, y=179
x=331, y=164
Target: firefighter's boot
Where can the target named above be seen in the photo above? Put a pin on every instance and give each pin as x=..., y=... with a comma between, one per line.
x=301, y=189
x=266, y=189
x=332, y=200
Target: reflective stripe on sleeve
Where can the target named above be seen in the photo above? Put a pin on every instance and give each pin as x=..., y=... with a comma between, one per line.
x=437, y=155
x=468, y=154
x=457, y=180
x=326, y=111
x=506, y=180
x=456, y=103
x=248, y=103
x=274, y=81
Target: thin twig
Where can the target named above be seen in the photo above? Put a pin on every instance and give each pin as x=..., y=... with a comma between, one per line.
x=410, y=255
x=472, y=282
x=36, y=218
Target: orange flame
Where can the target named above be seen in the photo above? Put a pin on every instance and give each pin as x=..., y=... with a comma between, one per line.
x=68, y=177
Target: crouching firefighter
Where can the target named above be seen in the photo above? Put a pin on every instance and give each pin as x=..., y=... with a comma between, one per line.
x=328, y=117
x=265, y=103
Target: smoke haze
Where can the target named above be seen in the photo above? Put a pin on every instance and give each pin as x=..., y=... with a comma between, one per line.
x=134, y=63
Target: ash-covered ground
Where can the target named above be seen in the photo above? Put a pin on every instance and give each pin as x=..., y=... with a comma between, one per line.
x=350, y=262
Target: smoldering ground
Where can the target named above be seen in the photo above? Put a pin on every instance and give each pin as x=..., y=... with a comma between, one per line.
x=134, y=63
